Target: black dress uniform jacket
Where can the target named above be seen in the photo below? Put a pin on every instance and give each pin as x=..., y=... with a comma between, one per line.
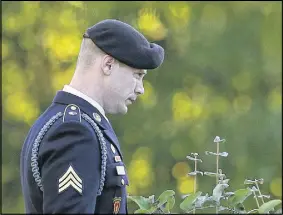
x=71, y=161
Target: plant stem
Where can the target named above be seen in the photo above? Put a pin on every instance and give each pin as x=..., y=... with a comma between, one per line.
x=217, y=166
x=259, y=192
x=256, y=199
x=195, y=182
x=217, y=163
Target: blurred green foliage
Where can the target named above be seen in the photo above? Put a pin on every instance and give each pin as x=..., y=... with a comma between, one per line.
x=221, y=76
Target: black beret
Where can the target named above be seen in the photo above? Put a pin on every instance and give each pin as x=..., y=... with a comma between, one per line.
x=126, y=44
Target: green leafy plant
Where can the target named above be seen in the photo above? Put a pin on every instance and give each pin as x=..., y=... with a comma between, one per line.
x=220, y=198
x=163, y=204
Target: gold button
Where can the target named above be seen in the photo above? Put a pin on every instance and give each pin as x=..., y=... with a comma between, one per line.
x=97, y=117
x=122, y=181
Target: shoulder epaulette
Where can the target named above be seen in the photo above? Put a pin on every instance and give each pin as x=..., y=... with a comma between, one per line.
x=72, y=112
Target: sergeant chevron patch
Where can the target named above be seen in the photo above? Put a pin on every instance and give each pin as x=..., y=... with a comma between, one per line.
x=70, y=178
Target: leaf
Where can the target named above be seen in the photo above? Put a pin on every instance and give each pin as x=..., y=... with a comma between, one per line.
x=223, y=154
x=254, y=211
x=218, y=190
x=190, y=158
x=228, y=194
x=260, y=181
x=195, y=173
x=221, y=208
x=193, y=159
x=217, y=139
x=188, y=202
x=141, y=211
x=199, y=172
x=169, y=205
x=264, y=196
x=141, y=201
x=192, y=173
x=211, y=174
x=151, y=199
x=225, y=181
x=209, y=153
x=239, y=208
x=279, y=211
x=201, y=200
x=163, y=198
x=268, y=206
x=247, y=181
x=239, y=197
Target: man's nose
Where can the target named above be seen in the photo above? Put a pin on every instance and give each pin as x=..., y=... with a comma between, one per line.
x=139, y=89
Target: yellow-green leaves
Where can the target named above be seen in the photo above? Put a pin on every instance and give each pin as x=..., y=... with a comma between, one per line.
x=239, y=197
x=142, y=202
x=164, y=203
x=268, y=206
x=218, y=191
x=189, y=201
x=141, y=211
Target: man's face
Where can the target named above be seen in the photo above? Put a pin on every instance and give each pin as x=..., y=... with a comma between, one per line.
x=123, y=86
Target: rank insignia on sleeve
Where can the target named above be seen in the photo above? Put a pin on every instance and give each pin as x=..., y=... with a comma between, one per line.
x=116, y=205
x=70, y=179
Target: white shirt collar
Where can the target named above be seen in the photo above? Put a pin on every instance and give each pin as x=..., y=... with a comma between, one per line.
x=69, y=89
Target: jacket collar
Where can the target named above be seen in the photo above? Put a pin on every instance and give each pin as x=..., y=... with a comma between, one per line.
x=70, y=89
x=66, y=98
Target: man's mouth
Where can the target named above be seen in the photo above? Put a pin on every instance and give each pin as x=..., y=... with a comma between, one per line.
x=130, y=100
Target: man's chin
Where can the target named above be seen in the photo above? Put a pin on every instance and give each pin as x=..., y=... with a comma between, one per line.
x=122, y=110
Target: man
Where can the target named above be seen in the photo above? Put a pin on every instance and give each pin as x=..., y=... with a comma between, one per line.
x=71, y=161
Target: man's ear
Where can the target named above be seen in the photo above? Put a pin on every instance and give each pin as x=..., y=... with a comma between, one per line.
x=107, y=64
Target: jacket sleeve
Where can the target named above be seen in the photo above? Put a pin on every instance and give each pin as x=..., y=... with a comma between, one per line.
x=70, y=169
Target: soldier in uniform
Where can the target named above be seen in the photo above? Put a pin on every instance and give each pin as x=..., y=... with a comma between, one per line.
x=71, y=160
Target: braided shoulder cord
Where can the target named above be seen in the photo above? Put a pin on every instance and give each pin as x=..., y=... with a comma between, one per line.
x=35, y=147
x=45, y=128
x=103, y=150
